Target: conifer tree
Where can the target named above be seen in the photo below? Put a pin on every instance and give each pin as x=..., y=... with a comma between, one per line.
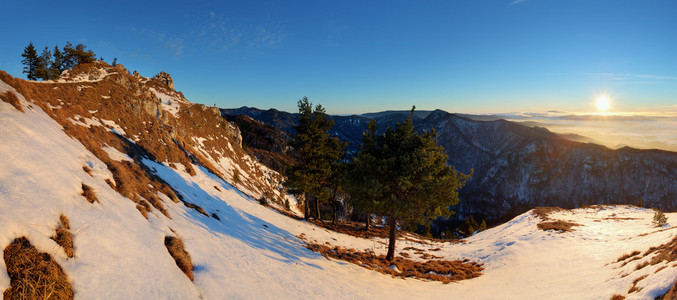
x=69, y=60
x=317, y=156
x=30, y=61
x=406, y=177
x=57, y=64
x=44, y=62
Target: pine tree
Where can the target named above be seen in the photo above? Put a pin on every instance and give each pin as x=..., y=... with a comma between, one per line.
x=30, y=61
x=406, y=177
x=69, y=60
x=317, y=156
x=44, y=62
x=115, y=63
x=57, y=64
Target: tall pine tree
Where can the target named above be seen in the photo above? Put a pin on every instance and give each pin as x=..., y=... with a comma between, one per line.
x=57, y=65
x=44, y=61
x=317, y=157
x=405, y=177
x=30, y=61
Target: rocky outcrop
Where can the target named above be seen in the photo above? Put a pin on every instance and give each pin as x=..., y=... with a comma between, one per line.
x=165, y=79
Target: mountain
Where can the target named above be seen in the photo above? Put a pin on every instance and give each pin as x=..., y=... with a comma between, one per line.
x=518, y=167
x=119, y=187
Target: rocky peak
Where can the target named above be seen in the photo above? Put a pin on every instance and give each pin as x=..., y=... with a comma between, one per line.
x=165, y=79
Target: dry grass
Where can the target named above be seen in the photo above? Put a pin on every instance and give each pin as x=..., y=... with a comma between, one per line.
x=33, y=274
x=558, y=225
x=634, y=287
x=181, y=257
x=626, y=256
x=12, y=99
x=617, y=297
x=88, y=192
x=63, y=236
x=544, y=212
x=444, y=271
x=87, y=170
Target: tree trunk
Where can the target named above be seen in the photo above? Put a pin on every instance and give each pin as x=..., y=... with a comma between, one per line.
x=392, y=239
x=306, y=208
x=317, y=205
x=334, y=207
x=366, y=223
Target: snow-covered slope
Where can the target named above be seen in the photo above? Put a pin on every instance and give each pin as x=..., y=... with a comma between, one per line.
x=251, y=251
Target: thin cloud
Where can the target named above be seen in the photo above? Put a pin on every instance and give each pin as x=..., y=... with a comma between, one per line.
x=516, y=2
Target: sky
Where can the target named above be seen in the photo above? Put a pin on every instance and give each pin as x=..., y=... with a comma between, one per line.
x=481, y=56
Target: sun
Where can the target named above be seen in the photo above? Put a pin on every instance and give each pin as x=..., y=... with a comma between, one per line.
x=603, y=103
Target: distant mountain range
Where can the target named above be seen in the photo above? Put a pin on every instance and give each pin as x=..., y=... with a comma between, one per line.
x=517, y=167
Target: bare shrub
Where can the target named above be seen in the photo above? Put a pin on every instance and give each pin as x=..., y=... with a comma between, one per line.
x=659, y=218
x=88, y=192
x=63, y=236
x=12, y=99
x=33, y=274
x=181, y=257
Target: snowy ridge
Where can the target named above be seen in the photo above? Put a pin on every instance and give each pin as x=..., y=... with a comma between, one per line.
x=251, y=251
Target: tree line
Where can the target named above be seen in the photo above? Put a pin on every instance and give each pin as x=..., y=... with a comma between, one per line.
x=398, y=174
x=52, y=62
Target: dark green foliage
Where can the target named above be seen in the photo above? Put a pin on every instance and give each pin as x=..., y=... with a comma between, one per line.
x=50, y=64
x=263, y=201
x=403, y=175
x=317, y=157
x=115, y=62
x=30, y=61
x=469, y=226
x=483, y=226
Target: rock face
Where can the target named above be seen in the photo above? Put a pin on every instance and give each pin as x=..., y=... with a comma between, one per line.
x=165, y=79
x=517, y=168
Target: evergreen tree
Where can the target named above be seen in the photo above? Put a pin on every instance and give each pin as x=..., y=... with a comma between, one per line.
x=57, y=64
x=115, y=63
x=44, y=62
x=69, y=60
x=363, y=182
x=82, y=55
x=407, y=177
x=30, y=61
x=317, y=156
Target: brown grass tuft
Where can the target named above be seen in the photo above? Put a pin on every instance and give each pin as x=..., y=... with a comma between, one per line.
x=12, y=99
x=561, y=225
x=181, y=257
x=63, y=236
x=87, y=170
x=617, y=297
x=33, y=274
x=634, y=287
x=544, y=212
x=626, y=256
x=88, y=192
x=444, y=271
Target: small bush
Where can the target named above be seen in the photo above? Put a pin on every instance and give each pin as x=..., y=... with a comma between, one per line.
x=263, y=201
x=286, y=204
x=659, y=218
x=33, y=274
x=88, y=192
x=236, y=177
x=63, y=236
x=563, y=226
x=181, y=257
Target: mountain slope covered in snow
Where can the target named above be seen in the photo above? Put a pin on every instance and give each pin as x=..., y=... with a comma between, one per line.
x=155, y=175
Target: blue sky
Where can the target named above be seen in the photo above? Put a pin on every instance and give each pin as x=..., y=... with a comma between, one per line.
x=475, y=56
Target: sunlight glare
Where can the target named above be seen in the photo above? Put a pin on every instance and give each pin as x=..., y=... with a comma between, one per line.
x=603, y=103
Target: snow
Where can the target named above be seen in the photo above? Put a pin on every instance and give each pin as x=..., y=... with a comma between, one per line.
x=169, y=103
x=254, y=252
x=114, y=154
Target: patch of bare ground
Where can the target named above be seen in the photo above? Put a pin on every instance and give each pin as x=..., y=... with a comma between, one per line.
x=34, y=274
x=181, y=257
x=63, y=236
x=670, y=295
x=544, y=212
x=12, y=99
x=358, y=229
x=617, y=297
x=558, y=225
x=444, y=271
